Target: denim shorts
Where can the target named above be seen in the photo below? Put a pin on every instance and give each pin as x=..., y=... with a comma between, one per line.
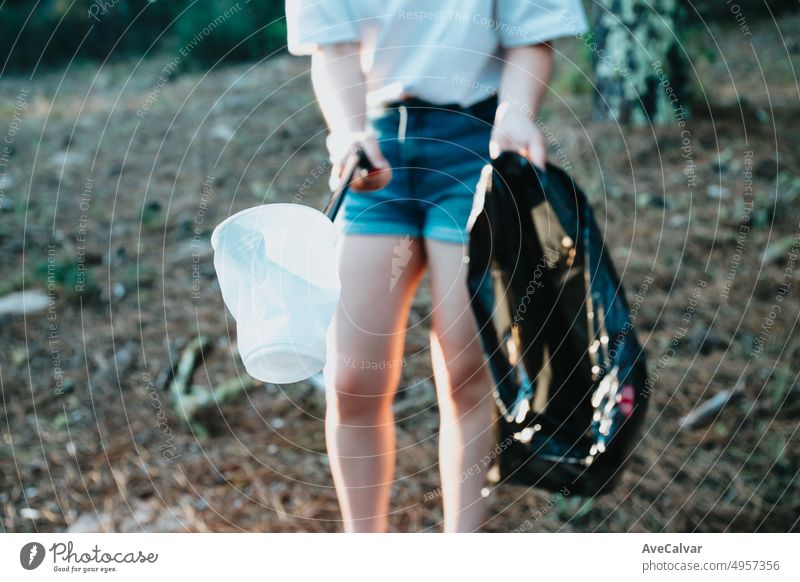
x=436, y=153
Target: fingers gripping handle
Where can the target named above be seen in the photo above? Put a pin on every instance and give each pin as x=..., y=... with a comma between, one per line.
x=357, y=165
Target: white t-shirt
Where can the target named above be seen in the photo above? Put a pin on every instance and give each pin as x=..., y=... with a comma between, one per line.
x=449, y=51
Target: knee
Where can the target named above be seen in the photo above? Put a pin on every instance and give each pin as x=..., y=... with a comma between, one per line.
x=355, y=399
x=469, y=386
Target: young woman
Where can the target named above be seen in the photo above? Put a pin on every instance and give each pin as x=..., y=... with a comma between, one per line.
x=430, y=90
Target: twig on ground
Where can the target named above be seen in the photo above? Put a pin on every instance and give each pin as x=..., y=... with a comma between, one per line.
x=708, y=410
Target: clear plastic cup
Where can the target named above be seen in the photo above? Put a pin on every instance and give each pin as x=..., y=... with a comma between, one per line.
x=278, y=272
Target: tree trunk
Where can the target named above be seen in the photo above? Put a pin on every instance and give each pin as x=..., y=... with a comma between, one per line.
x=640, y=75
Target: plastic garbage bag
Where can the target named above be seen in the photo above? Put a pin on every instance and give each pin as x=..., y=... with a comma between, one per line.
x=569, y=372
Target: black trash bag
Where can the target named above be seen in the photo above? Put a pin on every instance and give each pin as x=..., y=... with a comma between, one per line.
x=569, y=372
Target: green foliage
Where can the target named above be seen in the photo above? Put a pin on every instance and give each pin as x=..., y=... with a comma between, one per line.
x=67, y=277
x=56, y=32
x=216, y=29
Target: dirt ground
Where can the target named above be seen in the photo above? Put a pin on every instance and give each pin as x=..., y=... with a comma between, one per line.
x=116, y=179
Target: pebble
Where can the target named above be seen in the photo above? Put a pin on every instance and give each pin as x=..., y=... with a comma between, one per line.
x=718, y=192
x=23, y=302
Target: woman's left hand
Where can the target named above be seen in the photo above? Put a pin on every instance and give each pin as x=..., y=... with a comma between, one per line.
x=515, y=131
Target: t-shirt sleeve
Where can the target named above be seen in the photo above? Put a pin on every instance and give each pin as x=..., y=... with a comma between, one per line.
x=310, y=23
x=526, y=22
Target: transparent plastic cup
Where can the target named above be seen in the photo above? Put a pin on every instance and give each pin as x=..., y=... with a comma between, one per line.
x=278, y=272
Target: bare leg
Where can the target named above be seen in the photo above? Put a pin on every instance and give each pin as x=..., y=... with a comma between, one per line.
x=379, y=276
x=463, y=387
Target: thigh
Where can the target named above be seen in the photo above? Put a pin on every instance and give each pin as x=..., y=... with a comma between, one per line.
x=379, y=275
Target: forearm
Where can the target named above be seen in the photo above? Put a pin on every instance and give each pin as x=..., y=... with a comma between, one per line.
x=341, y=93
x=339, y=87
x=526, y=75
x=522, y=88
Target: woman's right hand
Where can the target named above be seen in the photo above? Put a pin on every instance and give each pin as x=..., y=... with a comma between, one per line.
x=379, y=177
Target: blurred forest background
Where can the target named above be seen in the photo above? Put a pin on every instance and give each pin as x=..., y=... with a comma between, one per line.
x=57, y=32
x=130, y=128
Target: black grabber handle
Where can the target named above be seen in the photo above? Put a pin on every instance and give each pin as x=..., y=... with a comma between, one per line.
x=357, y=164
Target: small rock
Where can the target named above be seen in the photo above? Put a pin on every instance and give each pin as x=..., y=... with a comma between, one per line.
x=642, y=200
x=718, y=192
x=29, y=513
x=67, y=158
x=677, y=220
x=23, y=302
x=646, y=200
x=222, y=131
x=125, y=356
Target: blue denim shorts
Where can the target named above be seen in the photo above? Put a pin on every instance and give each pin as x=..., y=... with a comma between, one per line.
x=436, y=153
